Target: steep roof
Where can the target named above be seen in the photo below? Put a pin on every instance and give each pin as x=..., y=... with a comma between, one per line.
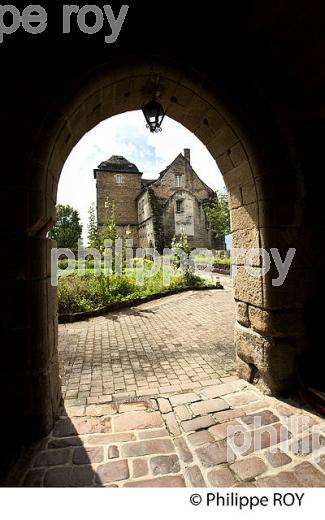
x=181, y=156
x=118, y=163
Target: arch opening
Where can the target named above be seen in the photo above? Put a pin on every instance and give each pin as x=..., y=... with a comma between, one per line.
x=266, y=340
x=146, y=211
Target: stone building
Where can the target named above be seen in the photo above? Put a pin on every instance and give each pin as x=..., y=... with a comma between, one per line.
x=154, y=211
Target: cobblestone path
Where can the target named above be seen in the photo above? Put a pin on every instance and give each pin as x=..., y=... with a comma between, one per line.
x=220, y=435
x=151, y=400
x=166, y=345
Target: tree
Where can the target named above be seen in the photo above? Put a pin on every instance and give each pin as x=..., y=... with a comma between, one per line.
x=218, y=214
x=181, y=243
x=93, y=236
x=108, y=231
x=127, y=236
x=67, y=230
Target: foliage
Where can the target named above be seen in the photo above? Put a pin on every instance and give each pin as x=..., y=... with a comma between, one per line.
x=77, y=293
x=85, y=293
x=142, y=262
x=218, y=214
x=128, y=236
x=181, y=242
x=67, y=230
x=63, y=264
x=108, y=231
x=92, y=230
x=221, y=261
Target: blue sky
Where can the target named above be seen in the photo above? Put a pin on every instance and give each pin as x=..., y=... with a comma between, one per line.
x=127, y=135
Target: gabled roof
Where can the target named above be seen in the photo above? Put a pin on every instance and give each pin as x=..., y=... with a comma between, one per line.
x=181, y=156
x=163, y=172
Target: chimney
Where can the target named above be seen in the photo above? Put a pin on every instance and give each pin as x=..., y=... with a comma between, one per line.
x=187, y=155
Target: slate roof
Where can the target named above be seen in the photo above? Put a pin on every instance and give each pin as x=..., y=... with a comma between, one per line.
x=147, y=182
x=117, y=163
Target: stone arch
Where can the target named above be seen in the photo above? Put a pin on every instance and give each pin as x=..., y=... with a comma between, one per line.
x=178, y=192
x=265, y=340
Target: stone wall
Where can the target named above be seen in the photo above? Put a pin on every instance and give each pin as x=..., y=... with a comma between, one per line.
x=146, y=234
x=193, y=220
x=144, y=207
x=192, y=193
x=165, y=186
x=124, y=196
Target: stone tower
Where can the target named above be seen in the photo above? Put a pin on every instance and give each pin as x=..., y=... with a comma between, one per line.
x=119, y=181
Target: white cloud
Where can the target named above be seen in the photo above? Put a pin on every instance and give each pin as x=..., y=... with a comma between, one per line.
x=127, y=135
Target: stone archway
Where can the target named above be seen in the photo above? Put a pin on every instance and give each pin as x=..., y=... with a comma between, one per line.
x=268, y=329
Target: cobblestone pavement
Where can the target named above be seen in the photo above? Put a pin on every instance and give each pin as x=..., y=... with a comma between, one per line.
x=192, y=439
x=151, y=400
x=165, y=345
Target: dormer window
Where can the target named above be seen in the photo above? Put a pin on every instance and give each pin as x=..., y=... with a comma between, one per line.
x=119, y=179
x=179, y=206
x=178, y=181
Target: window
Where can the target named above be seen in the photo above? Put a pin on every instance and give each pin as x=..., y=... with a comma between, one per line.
x=179, y=206
x=119, y=179
x=178, y=181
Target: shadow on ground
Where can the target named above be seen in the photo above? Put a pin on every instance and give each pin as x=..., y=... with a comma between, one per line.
x=60, y=459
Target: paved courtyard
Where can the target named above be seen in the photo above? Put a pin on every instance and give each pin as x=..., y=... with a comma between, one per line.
x=165, y=345
x=152, y=399
x=220, y=435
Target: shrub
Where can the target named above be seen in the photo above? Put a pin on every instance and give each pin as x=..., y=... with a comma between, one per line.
x=89, y=292
x=77, y=293
x=63, y=263
x=221, y=261
x=120, y=287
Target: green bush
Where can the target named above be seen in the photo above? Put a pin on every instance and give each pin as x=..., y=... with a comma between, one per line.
x=77, y=294
x=221, y=261
x=63, y=263
x=142, y=262
x=89, y=292
x=120, y=287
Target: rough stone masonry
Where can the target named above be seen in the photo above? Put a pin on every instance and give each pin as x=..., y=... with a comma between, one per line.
x=153, y=211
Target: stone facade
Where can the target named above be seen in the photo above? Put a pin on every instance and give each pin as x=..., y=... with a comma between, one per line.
x=156, y=210
x=119, y=181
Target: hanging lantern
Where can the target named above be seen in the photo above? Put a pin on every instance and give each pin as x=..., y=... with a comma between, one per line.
x=154, y=114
